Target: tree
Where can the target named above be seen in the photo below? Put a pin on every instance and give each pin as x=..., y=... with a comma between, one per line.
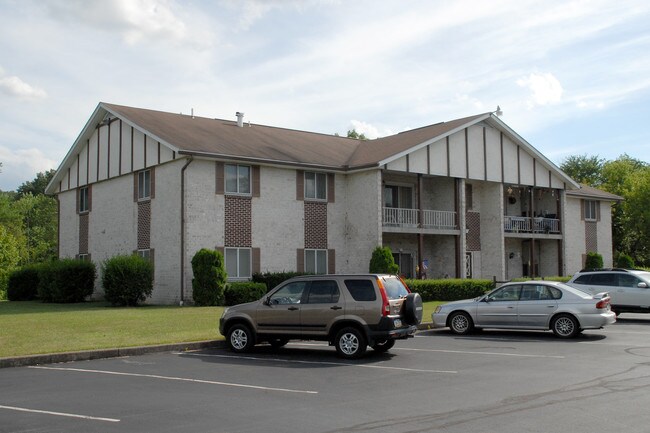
x=36, y=186
x=352, y=133
x=9, y=258
x=39, y=226
x=382, y=262
x=584, y=169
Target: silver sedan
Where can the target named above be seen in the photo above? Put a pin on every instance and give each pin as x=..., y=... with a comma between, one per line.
x=539, y=305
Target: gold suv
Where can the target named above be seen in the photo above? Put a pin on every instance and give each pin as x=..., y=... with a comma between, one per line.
x=351, y=312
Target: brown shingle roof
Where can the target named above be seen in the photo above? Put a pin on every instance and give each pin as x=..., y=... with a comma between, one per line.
x=587, y=191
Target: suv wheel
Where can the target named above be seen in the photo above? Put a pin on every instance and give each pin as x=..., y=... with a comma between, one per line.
x=413, y=309
x=240, y=338
x=383, y=346
x=350, y=343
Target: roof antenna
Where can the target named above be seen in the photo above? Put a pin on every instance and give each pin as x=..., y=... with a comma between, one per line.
x=192, y=113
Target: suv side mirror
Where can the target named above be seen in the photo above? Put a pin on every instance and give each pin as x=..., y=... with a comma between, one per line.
x=642, y=285
x=267, y=301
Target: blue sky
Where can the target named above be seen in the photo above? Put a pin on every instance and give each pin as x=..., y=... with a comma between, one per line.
x=572, y=77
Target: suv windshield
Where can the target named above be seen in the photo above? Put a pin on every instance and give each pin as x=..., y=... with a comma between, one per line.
x=395, y=289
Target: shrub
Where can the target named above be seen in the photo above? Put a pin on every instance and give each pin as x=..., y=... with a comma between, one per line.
x=239, y=293
x=209, y=277
x=624, y=261
x=127, y=279
x=66, y=281
x=23, y=284
x=273, y=279
x=594, y=261
x=450, y=289
x=382, y=262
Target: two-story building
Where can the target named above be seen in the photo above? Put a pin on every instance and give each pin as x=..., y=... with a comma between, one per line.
x=468, y=198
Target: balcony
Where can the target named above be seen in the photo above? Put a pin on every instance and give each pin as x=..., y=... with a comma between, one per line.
x=537, y=225
x=433, y=220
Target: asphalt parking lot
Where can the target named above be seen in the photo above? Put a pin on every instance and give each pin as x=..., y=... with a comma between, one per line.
x=436, y=382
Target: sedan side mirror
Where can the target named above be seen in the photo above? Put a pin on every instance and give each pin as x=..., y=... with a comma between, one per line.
x=642, y=285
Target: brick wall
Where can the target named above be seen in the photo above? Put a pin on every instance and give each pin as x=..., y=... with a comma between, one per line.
x=237, y=221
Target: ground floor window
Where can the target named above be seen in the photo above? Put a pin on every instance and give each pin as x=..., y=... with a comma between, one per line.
x=316, y=261
x=238, y=263
x=145, y=254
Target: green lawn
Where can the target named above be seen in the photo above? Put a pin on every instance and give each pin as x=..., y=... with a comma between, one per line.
x=29, y=328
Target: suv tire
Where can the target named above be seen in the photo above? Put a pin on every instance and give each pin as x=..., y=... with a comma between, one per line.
x=240, y=338
x=413, y=309
x=350, y=343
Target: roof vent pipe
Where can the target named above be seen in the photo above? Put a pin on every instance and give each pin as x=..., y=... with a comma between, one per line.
x=240, y=119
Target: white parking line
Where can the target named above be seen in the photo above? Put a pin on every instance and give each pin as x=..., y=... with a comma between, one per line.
x=464, y=352
x=181, y=379
x=295, y=361
x=70, y=415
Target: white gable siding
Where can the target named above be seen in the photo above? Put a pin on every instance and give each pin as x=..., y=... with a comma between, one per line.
x=438, y=158
x=493, y=151
x=127, y=149
x=138, y=150
x=457, y=155
x=526, y=168
x=510, y=161
x=476, y=154
x=114, y=156
x=92, y=158
x=151, y=152
x=397, y=165
x=83, y=168
x=102, y=149
x=418, y=161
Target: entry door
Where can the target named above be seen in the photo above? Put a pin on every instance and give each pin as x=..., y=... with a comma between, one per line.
x=405, y=263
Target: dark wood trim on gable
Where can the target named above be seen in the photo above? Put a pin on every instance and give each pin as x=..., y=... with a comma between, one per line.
x=503, y=173
x=534, y=172
x=132, y=147
x=429, y=159
x=466, y=153
x=485, y=164
x=408, y=163
x=518, y=166
x=108, y=154
x=448, y=159
x=98, y=154
x=119, y=165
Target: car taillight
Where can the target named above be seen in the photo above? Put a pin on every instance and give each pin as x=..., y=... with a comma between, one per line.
x=603, y=303
x=385, y=305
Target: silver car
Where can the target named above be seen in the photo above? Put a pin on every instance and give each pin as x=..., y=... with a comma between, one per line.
x=539, y=305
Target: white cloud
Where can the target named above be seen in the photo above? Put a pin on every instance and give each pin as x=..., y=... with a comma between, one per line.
x=370, y=131
x=14, y=86
x=22, y=165
x=544, y=88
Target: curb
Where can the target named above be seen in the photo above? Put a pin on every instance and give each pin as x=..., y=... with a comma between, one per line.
x=87, y=355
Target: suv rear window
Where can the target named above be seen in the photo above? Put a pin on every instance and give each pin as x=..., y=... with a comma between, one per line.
x=394, y=288
x=361, y=290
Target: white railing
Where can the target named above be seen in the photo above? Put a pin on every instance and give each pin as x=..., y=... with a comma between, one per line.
x=399, y=217
x=439, y=219
x=517, y=224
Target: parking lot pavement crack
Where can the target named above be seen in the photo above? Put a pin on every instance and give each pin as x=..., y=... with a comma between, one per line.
x=622, y=382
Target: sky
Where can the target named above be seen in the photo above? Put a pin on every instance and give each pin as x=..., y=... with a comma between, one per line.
x=571, y=76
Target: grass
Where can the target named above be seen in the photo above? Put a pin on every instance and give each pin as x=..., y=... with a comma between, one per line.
x=30, y=328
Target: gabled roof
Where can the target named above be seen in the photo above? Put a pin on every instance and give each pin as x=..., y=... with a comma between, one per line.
x=223, y=139
x=587, y=191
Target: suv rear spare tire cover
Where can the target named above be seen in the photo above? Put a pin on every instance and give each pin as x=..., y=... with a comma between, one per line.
x=413, y=309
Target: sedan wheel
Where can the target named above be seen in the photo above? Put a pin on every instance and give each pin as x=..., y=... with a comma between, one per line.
x=240, y=339
x=460, y=323
x=350, y=343
x=565, y=326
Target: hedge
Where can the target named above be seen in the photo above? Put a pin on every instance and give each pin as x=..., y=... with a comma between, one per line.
x=127, y=279
x=450, y=289
x=66, y=280
x=23, y=284
x=239, y=293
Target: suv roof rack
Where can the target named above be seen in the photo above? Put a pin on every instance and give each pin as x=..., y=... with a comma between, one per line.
x=608, y=270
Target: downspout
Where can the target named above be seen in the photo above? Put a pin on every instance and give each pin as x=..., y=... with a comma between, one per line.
x=189, y=161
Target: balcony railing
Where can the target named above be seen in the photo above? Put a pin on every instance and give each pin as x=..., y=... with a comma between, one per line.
x=409, y=218
x=517, y=224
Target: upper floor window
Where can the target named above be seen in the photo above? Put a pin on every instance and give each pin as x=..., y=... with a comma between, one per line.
x=144, y=185
x=84, y=204
x=315, y=185
x=238, y=179
x=398, y=196
x=591, y=210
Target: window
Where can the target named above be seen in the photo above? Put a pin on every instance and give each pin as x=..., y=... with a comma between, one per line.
x=83, y=200
x=361, y=290
x=83, y=257
x=323, y=292
x=625, y=280
x=398, y=196
x=315, y=186
x=238, y=263
x=591, y=210
x=539, y=293
x=508, y=293
x=144, y=185
x=145, y=254
x=316, y=261
x=238, y=179
x=604, y=279
x=289, y=294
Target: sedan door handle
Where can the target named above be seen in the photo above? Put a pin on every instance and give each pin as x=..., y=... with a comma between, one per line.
x=336, y=307
x=292, y=308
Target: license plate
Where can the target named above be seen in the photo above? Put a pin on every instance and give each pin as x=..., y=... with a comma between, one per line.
x=397, y=323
